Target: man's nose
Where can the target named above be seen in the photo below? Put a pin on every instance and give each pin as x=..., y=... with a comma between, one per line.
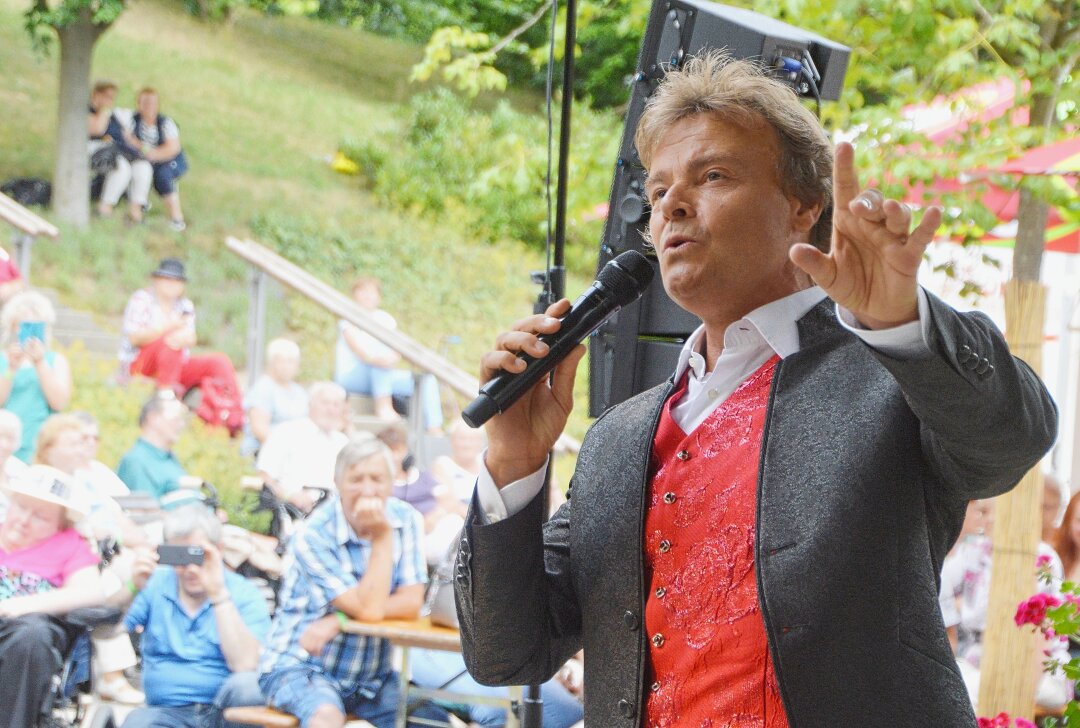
x=674, y=203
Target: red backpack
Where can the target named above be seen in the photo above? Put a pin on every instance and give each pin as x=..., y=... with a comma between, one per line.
x=220, y=404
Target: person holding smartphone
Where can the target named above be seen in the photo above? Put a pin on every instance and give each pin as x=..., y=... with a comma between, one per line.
x=202, y=627
x=35, y=381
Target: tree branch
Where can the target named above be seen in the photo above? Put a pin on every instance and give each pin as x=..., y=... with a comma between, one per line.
x=533, y=20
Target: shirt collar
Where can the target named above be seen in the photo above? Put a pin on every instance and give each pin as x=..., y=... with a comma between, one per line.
x=775, y=323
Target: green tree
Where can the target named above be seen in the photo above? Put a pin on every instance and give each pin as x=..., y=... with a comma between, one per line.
x=77, y=25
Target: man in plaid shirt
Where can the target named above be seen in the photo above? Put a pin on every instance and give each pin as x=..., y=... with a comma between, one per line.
x=358, y=556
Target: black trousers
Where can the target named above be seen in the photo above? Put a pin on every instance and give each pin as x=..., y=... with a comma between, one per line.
x=32, y=650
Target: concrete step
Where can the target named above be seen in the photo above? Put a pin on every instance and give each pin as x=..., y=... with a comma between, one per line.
x=95, y=342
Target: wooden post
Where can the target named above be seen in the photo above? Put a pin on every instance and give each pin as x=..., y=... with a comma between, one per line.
x=1009, y=653
x=256, y=333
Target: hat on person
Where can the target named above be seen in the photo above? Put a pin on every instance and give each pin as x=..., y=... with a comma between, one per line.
x=50, y=485
x=170, y=268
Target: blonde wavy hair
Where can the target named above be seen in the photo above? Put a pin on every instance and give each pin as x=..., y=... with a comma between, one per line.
x=742, y=92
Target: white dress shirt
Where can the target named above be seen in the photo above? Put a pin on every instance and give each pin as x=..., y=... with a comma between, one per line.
x=748, y=343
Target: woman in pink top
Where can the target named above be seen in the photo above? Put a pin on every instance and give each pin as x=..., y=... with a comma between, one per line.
x=46, y=570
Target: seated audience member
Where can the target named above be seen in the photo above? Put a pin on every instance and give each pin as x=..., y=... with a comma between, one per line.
x=202, y=630
x=150, y=465
x=61, y=445
x=158, y=140
x=159, y=331
x=126, y=171
x=1055, y=495
x=358, y=555
x=302, y=452
x=456, y=474
x=46, y=570
x=275, y=397
x=412, y=485
x=365, y=365
x=89, y=469
x=965, y=597
x=35, y=381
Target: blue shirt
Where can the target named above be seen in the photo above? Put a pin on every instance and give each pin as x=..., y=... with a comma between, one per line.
x=182, y=659
x=326, y=559
x=146, y=468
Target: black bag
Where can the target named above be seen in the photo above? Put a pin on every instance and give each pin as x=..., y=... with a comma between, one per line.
x=28, y=191
x=103, y=160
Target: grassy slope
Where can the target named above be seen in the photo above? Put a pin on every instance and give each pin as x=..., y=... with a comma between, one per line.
x=261, y=104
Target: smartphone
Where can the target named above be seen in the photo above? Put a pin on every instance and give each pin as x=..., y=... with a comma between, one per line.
x=169, y=555
x=31, y=330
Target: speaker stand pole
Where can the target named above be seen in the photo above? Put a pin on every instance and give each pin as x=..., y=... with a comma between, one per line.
x=532, y=707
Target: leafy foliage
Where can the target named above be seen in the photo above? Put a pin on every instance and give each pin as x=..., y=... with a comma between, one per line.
x=484, y=172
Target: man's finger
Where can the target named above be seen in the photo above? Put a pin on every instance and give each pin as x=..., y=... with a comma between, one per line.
x=562, y=383
x=868, y=205
x=520, y=341
x=818, y=265
x=924, y=231
x=897, y=217
x=845, y=181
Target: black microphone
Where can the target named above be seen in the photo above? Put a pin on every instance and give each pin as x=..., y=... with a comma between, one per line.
x=620, y=282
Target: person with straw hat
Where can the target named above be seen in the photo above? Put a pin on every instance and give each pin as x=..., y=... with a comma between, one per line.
x=47, y=569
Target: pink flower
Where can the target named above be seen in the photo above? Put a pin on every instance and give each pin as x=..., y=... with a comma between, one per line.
x=1001, y=720
x=1025, y=723
x=1043, y=561
x=1033, y=611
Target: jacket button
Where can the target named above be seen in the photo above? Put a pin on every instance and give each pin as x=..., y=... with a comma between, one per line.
x=655, y=687
x=982, y=366
x=630, y=620
x=964, y=353
x=658, y=640
x=660, y=592
x=665, y=546
x=626, y=708
x=683, y=455
x=988, y=372
x=669, y=498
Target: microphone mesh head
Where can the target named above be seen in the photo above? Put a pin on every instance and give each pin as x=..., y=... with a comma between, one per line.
x=626, y=276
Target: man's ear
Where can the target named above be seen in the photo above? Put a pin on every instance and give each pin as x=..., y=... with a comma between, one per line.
x=804, y=215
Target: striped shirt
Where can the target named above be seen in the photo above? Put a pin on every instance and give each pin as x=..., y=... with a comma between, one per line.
x=326, y=558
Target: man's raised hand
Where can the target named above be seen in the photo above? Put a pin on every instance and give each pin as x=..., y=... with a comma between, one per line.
x=872, y=266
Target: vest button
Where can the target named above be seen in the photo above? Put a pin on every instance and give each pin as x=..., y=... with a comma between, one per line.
x=669, y=498
x=665, y=546
x=658, y=640
x=656, y=687
x=626, y=708
x=630, y=620
x=683, y=455
x=660, y=592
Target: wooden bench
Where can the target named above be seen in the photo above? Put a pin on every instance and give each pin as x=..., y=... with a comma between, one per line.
x=270, y=718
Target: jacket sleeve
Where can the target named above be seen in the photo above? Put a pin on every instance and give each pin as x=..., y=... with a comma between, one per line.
x=986, y=418
x=518, y=614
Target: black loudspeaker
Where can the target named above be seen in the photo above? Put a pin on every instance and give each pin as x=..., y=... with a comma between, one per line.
x=639, y=347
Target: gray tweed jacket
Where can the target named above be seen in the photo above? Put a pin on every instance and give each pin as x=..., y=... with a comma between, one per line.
x=867, y=465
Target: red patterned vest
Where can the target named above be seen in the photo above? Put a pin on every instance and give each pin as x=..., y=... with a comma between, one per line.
x=710, y=662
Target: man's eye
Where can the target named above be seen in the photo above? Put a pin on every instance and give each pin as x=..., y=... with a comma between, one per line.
x=714, y=175
x=657, y=195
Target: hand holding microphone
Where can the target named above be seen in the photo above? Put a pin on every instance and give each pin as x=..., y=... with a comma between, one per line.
x=514, y=374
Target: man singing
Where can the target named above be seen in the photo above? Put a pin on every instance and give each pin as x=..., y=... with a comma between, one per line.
x=756, y=542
